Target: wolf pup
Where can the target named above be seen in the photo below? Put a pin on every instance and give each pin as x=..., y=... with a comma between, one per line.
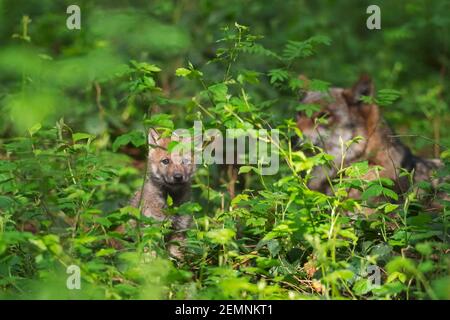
x=347, y=116
x=169, y=174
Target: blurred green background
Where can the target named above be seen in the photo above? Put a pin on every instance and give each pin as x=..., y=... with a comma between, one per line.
x=48, y=72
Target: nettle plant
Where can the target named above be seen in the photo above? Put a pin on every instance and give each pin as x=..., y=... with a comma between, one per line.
x=254, y=236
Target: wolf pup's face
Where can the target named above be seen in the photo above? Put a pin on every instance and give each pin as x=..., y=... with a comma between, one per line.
x=341, y=115
x=171, y=169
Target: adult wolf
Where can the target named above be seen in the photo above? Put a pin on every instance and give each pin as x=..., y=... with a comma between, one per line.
x=347, y=116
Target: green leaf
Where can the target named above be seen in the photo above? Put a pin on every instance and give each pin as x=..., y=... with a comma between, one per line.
x=343, y=274
x=373, y=190
x=6, y=202
x=35, y=129
x=396, y=275
x=390, y=207
x=382, y=251
x=137, y=138
x=401, y=264
x=426, y=266
x=308, y=108
x=258, y=49
x=274, y=247
x=219, y=92
x=424, y=249
x=348, y=234
x=440, y=287
x=319, y=85
x=39, y=243
x=357, y=169
x=386, y=97
x=129, y=210
x=303, y=49
x=297, y=49
x=238, y=198
x=389, y=193
x=248, y=76
x=246, y=169
x=80, y=136
x=190, y=208
x=6, y=166
x=391, y=288
x=160, y=120
x=105, y=252
x=145, y=67
x=278, y=75
x=182, y=72
x=190, y=72
x=362, y=287
x=103, y=221
x=169, y=201
x=221, y=236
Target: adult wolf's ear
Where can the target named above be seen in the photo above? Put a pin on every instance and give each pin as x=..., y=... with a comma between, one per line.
x=153, y=137
x=363, y=87
x=304, y=79
x=304, y=85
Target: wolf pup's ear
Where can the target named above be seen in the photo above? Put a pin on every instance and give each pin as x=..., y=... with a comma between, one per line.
x=153, y=137
x=363, y=87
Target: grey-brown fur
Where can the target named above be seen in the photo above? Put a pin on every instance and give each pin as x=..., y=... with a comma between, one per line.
x=161, y=183
x=349, y=117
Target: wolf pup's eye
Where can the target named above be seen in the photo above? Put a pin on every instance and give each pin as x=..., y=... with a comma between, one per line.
x=186, y=161
x=165, y=161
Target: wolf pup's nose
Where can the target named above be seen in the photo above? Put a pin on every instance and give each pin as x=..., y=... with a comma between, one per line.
x=178, y=177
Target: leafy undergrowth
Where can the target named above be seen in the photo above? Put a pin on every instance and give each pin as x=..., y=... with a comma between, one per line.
x=64, y=193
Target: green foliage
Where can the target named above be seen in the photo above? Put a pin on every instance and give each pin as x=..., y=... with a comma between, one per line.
x=72, y=146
